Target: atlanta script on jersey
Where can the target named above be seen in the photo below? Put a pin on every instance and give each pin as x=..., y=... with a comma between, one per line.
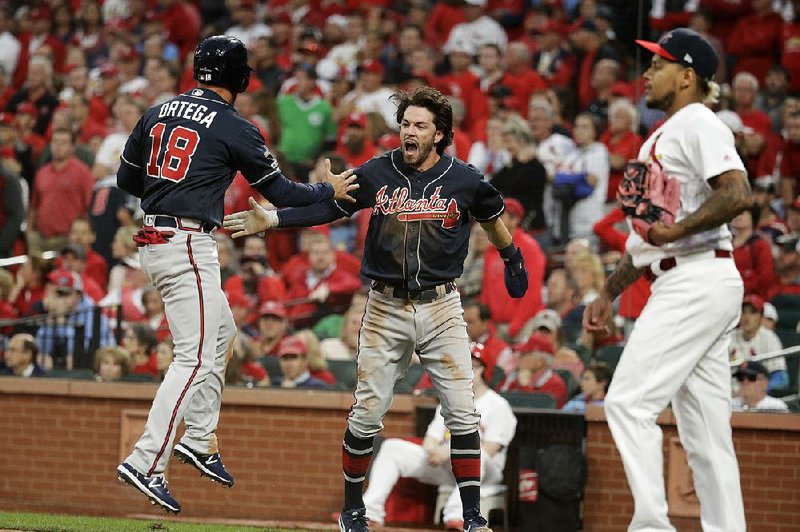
x=421, y=219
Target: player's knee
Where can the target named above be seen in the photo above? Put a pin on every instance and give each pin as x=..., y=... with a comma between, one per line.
x=364, y=428
x=461, y=421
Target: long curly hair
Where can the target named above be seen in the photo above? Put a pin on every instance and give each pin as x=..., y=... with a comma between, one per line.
x=435, y=102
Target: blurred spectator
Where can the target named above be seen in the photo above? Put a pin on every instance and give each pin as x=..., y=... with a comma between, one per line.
x=510, y=314
x=470, y=284
x=605, y=74
x=477, y=29
x=355, y=146
x=105, y=93
x=552, y=147
x=126, y=279
x=591, y=48
x=751, y=339
x=243, y=362
x=61, y=192
x=345, y=347
x=7, y=310
x=581, y=183
x=293, y=354
x=370, y=96
x=37, y=42
x=460, y=82
x=273, y=326
x=771, y=100
x=790, y=56
x=756, y=39
x=563, y=297
x=323, y=287
x=770, y=318
x=790, y=162
x=73, y=258
x=248, y=27
x=227, y=255
x=70, y=316
x=553, y=61
x=28, y=290
x=83, y=236
x=752, y=396
x=441, y=20
x=520, y=77
x=317, y=365
x=745, y=90
x=20, y=148
x=182, y=24
x=753, y=255
x=9, y=44
x=430, y=462
x=111, y=364
x=255, y=280
x=12, y=210
x=534, y=374
x=38, y=90
x=307, y=125
x=621, y=141
x=164, y=356
x=140, y=341
x=589, y=274
x=398, y=69
x=20, y=357
x=462, y=142
x=594, y=387
x=701, y=22
x=523, y=178
x=154, y=312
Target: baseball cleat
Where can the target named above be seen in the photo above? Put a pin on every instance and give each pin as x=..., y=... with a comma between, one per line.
x=209, y=465
x=155, y=488
x=354, y=521
x=474, y=521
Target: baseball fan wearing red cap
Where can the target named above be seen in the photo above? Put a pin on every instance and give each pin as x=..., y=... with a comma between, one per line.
x=687, y=184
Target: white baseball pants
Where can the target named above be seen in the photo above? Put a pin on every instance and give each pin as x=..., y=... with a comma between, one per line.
x=186, y=272
x=678, y=352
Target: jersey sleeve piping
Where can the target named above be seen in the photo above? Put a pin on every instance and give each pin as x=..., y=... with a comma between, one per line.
x=492, y=217
x=336, y=202
x=265, y=176
x=126, y=161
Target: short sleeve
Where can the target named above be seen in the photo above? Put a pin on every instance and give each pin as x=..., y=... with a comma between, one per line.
x=364, y=195
x=252, y=157
x=487, y=204
x=711, y=148
x=132, y=153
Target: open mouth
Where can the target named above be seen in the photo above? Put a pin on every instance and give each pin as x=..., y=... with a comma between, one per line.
x=410, y=148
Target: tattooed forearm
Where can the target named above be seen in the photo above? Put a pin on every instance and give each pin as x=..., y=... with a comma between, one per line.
x=731, y=196
x=624, y=276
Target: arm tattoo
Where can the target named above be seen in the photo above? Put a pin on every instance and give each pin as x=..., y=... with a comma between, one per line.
x=624, y=276
x=730, y=198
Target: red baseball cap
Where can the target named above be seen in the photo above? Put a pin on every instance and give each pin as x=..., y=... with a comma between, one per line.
x=237, y=299
x=371, y=66
x=130, y=54
x=26, y=108
x=754, y=301
x=8, y=119
x=292, y=345
x=66, y=279
x=109, y=70
x=515, y=208
x=40, y=13
x=536, y=343
x=272, y=308
x=356, y=119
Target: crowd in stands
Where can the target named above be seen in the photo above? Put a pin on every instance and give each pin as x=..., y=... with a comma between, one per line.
x=548, y=104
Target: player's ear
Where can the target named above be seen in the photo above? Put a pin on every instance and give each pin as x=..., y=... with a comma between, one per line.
x=687, y=78
x=437, y=136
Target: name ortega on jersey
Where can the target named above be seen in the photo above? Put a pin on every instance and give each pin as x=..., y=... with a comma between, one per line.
x=413, y=210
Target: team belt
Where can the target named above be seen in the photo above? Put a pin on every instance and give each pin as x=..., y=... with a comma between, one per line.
x=667, y=264
x=184, y=224
x=420, y=296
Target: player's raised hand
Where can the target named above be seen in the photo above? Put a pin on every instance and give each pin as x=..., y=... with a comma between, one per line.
x=343, y=183
x=596, y=314
x=256, y=220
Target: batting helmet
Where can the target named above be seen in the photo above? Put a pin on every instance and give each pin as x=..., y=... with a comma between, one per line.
x=222, y=61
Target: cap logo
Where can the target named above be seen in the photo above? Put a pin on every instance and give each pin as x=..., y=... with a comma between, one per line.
x=687, y=58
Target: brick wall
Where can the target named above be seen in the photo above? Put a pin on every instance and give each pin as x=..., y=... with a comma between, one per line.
x=60, y=446
x=768, y=448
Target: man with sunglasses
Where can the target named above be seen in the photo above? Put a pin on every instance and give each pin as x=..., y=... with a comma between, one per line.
x=753, y=379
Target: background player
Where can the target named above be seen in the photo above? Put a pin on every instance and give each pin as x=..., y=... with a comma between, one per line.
x=180, y=159
x=678, y=349
x=421, y=202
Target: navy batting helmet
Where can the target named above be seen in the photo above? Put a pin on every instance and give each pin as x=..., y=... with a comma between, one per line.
x=222, y=61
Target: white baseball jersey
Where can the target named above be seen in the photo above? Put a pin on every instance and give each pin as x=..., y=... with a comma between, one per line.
x=592, y=159
x=692, y=146
x=764, y=341
x=767, y=404
x=498, y=424
x=552, y=150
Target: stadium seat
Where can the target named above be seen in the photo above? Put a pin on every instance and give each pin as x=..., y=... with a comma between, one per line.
x=610, y=354
x=80, y=374
x=138, y=377
x=410, y=379
x=583, y=352
x=529, y=399
x=788, y=318
x=569, y=380
x=497, y=378
x=786, y=301
x=345, y=371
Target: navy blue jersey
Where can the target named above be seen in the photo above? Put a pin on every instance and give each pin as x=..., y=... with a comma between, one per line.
x=183, y=154
x=419, y=231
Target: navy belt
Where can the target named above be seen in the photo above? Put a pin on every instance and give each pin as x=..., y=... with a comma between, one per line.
x=420, y=296
x=184, y=224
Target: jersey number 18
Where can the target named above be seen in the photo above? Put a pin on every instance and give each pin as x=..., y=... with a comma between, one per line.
x=181, y=145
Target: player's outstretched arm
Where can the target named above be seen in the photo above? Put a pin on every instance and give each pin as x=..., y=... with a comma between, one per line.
x=259, y=219
x=515, y=274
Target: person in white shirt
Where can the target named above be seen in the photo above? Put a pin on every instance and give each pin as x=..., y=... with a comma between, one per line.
x=753, y=380
x=430, y=462
x=677, y=351
x=752, y=339
x=370, y=96
x=478, y=29
x=249, y=29
x=9, y=45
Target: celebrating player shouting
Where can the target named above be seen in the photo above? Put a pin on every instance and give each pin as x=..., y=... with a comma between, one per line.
x=421, y=201
x=180, y=159
x=688, y=183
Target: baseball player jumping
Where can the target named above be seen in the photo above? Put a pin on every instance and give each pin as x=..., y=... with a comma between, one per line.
x=180, y=159
x=421, y=201
x=688, y=182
